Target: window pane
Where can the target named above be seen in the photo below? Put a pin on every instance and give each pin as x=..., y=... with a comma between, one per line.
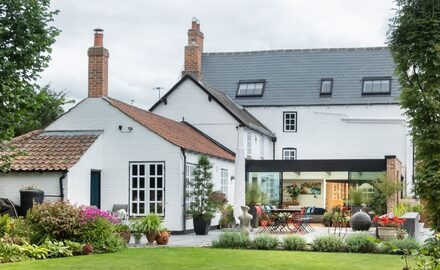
x=152, y=169
x=141, y=195
x=326, y=87
x=376, y=86
x=159, y=169
x=141, y=169
x=134, y=196
x=152, y=196
x=134, y=182
x=134, y=169
x=141, y=208
x=152, y=182
x=152, y=208
x=159, y=195
x=159, y=208
x=159, y=182
x=134, y=208
x=385, y=86
x=368, y=86
x=141, y=182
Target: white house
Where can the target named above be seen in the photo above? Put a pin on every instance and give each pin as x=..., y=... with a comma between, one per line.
x=104, y=152
x=329, y=105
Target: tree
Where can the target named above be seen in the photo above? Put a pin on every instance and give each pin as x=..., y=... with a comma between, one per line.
x=414, y=39
x=50, y=107
x=202, y=207
x=25, y=41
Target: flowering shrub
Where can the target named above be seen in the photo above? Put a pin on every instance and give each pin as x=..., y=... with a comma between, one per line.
x=386, y=221
x=91, y=214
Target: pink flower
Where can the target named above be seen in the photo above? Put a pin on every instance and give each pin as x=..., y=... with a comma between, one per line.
x=92, y=213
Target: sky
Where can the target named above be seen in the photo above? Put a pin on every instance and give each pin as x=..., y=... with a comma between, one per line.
x=146, y=38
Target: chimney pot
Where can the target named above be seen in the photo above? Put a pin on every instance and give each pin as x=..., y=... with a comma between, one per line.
x=99, y=37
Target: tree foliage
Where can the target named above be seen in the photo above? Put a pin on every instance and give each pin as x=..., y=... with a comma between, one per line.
x=202, y=187
x=414, y=40
x=25, y=40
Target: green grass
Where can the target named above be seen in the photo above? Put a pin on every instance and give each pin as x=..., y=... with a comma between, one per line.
x=205, y=258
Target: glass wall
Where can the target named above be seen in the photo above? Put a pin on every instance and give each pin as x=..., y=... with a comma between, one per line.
x=268, y=183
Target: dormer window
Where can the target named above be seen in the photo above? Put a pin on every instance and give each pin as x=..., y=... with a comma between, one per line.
x=326, y=87
x=250, y=88
x=376, y=86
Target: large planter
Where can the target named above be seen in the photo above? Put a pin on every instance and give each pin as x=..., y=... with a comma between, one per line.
x=162, y=238
x=126, y=236
x=387, y=233
x=151, y=236
x=201, y=226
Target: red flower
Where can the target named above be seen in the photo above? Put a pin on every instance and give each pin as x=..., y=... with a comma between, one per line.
x=386, y=221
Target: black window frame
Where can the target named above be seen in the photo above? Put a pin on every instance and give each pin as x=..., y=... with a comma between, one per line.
x=248, y=82
x=366, y=79
x=289, y=148
x=284, y=121
x=331, y=87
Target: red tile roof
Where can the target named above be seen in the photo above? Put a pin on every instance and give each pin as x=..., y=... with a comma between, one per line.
x=50, y=152
x=176, y=133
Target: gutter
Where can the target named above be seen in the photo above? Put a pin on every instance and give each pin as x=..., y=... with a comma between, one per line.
x=184, y=191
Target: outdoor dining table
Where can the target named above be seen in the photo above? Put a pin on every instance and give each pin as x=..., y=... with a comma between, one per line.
x=279, y=220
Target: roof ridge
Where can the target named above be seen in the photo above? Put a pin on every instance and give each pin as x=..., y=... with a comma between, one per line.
x=299, y=50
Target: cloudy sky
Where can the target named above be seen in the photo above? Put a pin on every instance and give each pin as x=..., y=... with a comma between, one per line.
x=146, y=37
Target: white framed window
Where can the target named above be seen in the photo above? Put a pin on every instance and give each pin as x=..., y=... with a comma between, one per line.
x=250, y=88
x=262, y=141
x=147, y=181
x=224, y=183
x=381, y=85
x=290, y=121
x=289, y=153
x=249, y=144
x=189, y=180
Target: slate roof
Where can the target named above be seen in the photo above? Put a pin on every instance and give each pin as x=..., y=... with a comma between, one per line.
x=50, y=152
x=238, y=112
x=177, y=133
x=293, y=77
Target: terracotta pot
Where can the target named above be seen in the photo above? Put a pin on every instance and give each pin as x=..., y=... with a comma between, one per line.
x=151, y=236
x=387, y=233
x=162, y=238
x=126, y=236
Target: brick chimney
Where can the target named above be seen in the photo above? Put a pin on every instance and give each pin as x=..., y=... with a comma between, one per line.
x=193, y=51
x=98, y=66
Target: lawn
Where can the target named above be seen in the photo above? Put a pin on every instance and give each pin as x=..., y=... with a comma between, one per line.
x=205, y=258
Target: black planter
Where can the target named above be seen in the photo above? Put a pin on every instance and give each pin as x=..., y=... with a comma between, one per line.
x=201, y=226
x=27, y=199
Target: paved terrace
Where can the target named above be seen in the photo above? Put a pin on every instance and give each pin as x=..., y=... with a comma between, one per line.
x=192, y=240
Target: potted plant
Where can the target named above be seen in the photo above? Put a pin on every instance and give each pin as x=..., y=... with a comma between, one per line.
x=136, y=231
x=356, y=199
x=294, y=191
x=327, y=219
x=124, y=231
x=227, y=219
x=150, y=226
x=202, y=209
x=162, y=236
x=388, y=227
x=254, y=197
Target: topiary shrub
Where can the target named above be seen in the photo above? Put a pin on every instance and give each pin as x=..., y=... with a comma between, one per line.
x=232, y=240
x=360, y=221
x=294, y=242
x=400, y=246
x=361, y=243
x=266, y=242
x=328, y=243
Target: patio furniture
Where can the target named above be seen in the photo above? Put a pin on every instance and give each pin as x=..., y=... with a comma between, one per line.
x=278, y=221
